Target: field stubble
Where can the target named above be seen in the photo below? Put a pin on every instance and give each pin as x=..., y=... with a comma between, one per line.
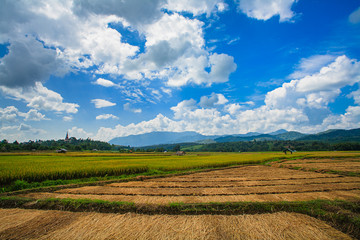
x=38, y=224
x=247, y=183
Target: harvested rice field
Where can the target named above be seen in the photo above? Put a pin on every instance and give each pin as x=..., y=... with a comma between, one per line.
x=247, y=183
x=345, y=165
x=41, y=224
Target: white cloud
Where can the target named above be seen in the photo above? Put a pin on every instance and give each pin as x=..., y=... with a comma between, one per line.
x=41, y=98
x=233, y=108
x=34, y=115
x=159, y=123
x=22, y=132
x=311, y=65
x=182, y=107
x=105, y=83
x=343, y=71
x=101, y=103
x=355, y=16
x=210, y=102
x=288, y=107
x=266, y=9
x=128, y=107
x=67, y=118
x=11, y=113
x=356, y=96
x=24, y=127
x=26, y=63
x=222, y=66
x=79, y=133
x=106, y=116
x=75, y=35
x=8, y=114
x=166, y=90
x=196, y=7
x=176, y=57
x=318, y=89
x=135, y=12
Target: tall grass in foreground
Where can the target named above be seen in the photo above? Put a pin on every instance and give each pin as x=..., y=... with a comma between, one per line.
x=49, y=166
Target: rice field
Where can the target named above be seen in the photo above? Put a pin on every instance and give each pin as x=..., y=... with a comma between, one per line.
x=40, y=224
x=272, y=182
x=50, y=166
x=37, y=167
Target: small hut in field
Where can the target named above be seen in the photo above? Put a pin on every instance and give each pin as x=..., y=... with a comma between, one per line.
x=180, y=153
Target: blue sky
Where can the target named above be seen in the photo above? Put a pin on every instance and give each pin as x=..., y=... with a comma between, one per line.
x=104, y=69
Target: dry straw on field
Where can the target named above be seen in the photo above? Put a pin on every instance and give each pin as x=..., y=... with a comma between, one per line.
x=37, y=224
x=248, y=183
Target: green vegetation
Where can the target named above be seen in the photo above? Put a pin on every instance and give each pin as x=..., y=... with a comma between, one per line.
x=277, y=145
x=72, y=144
x=34, y=167
x=33, y=170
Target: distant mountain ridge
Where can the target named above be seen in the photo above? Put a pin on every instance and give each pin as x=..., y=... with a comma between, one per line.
x=157, y=138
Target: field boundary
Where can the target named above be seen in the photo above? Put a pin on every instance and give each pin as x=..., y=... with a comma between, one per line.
x=294, y=166
x=342, y=215
x=102, y=183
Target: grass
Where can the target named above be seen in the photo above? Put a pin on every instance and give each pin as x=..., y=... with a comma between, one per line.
x=31, y=170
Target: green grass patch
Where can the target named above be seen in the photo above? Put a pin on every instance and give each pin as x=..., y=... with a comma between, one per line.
x=22, y=170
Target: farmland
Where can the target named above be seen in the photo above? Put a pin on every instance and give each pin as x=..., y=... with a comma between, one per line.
x=67, y=225
x=275, y=189
x=50, y=166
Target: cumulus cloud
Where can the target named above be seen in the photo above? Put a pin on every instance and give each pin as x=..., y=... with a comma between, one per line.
x=101, y=103
x=343, y=71
x=266, y=9
x=176, y=57
x=233, y=108
x=128, y=107
x=106, y=116
x=134, y=11
x=22, y=132
x=34, y=115
x=316, y=90
x=79, y=133
x=26, y=63
x=294, y=106
x=356, y=96
x=159, y=123
x=76, y=35
x=182, y=107
x=11, y=113
x=311, y=65
x=196, y=7
x=212, y=101
x=41, y=98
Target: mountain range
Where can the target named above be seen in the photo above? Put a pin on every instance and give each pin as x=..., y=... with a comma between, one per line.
x=157, y=138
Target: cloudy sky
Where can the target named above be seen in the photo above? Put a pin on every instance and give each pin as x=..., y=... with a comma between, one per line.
x=109, y=68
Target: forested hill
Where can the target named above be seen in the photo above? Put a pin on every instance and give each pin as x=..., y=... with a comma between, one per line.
x=72, y=144
x=336, y=135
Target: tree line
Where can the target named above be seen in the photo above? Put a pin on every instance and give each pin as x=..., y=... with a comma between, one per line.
x=278, y=145
x=72, y=144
